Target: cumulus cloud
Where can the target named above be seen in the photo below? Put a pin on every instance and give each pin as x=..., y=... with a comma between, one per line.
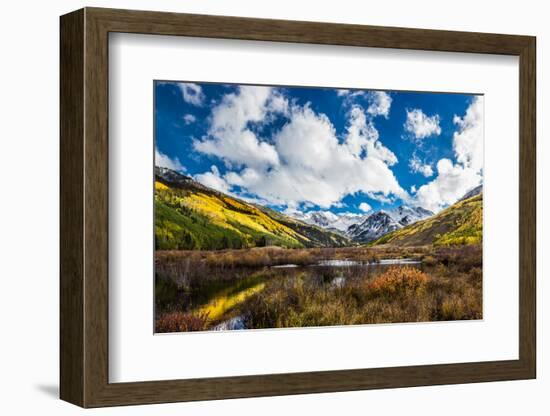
x=363, y=136
x=191, y=93
x=213, y=180
x=189, y=118
x=379, y=103
x=454, y=180
x=363, y=206
x=314, y=167
x=468, y=140
x=230, y=137
x=350, y=95
x=304, y=163
x=417, y=166
x=420, y=126
x=163, y=161
x=451, y=183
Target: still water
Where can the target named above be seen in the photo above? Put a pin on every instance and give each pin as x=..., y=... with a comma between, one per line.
x=221, y=299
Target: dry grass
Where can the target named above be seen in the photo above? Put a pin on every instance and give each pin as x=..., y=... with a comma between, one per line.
x=401, y=294
x=447, y=286
x=181, y=322
x=186, y=267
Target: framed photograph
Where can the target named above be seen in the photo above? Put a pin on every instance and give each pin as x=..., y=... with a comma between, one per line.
x=262, y=207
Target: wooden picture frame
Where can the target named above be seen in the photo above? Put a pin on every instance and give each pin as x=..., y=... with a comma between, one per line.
x=84, y=207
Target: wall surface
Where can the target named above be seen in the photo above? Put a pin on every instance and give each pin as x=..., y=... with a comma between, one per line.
x=29, y=224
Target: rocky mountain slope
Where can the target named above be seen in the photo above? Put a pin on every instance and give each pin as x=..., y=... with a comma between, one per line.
x=376, y=225
x=328, y=220
x=382, y=222
x=189, y=215
x=461, y=223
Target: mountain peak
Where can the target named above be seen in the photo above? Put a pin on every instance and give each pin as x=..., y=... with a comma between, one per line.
x=384, y=221
x=359, y=227
x=179, y=180
x=329, y=220
x=190, y=215
x=461, y=223
x=405, y=214
x=170, y=175
x=376, y=225
x=472, y=192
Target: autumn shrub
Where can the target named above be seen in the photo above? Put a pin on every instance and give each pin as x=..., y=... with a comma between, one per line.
x=459, y=307
x=180, y=321
x=403, y=280
x=447, y=285
x=429, y=260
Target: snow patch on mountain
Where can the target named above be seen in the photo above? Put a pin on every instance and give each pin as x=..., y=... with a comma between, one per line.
x=375, y=226
x=362, y=227
x=406, y=215
x=329, y=220
x=383, y=222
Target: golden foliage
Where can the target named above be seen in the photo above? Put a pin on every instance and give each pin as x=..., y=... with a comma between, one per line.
x=160, y=186
x=401, y=280
x=228, y=213
x=459, y=224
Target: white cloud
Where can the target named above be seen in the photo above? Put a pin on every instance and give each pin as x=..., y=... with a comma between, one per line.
x=163, y=161
x=213, y=180
x=349, y=95
x=363, y=136
x=315, y=168
x=363, y=206
x=451, y=183
x=454, y=180
x=379, y=103
x=302, y=164
x=377, y=196
x=468, y=140
x=189, y=118
x=417, y=166
x=191, y=93
x=229, y=136
x=420, y=125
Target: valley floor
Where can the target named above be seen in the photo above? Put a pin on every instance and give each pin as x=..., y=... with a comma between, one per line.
x=276, y=288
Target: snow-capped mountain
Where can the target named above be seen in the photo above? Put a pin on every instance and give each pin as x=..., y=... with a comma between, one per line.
x=375, y=226
x=171, y=175
x=383, y=222
x=365, y=228
x=329, y=220
x=406, y=215
x=345, y=221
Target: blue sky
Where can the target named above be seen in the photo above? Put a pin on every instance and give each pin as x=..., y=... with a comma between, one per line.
x=303, y=149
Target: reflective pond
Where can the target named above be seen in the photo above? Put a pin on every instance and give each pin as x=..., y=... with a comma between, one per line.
x=224, y=301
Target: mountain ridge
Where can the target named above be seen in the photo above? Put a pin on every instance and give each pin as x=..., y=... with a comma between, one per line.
x=328, y=220
x=382, y=222
x=458, y=224
x=189, y=215
x=356, y=226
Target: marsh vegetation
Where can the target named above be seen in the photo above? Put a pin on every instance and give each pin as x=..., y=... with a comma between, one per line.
x=273, y=287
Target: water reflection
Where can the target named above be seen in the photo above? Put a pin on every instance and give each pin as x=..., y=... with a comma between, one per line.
x=221, y=299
